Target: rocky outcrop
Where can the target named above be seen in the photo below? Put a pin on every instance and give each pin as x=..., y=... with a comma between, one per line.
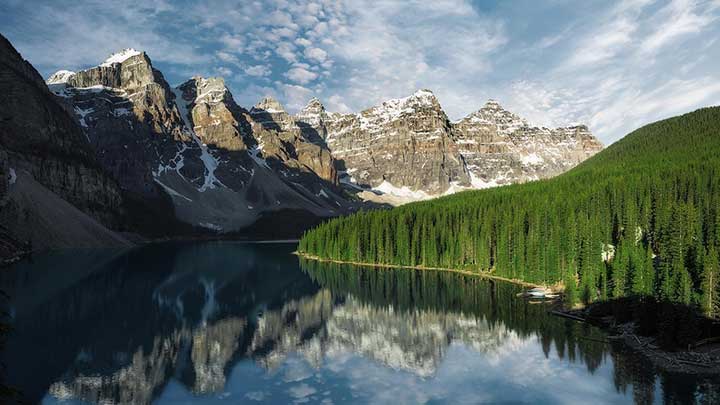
x=402, y=143
x=501, y=148
x=44, y=143
x=291, y=142
x=128, y=114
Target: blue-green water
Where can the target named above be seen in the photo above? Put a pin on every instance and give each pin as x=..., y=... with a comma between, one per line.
x=228, y=322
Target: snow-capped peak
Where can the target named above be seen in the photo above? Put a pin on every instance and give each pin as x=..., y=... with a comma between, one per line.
x=493, y=104
x=314, y=106
x=60, y=77
x=493, y=113
x=120, y=57
x=424, y=93
x=396, y=106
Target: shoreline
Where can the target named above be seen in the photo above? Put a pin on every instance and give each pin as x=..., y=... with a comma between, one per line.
x=683, y=361
x=441, y=269
x=687, y=361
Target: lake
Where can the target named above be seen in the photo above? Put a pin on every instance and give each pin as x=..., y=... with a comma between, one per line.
x=225, y=322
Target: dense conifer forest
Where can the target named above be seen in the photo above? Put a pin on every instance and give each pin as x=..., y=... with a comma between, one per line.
x=641, y=217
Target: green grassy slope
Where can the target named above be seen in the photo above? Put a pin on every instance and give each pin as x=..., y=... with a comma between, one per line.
x=640, y=217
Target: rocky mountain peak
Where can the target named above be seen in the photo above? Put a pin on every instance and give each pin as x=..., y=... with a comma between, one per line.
x=314, y=106
x=269, y=105
x=394, y=109
x=60, y=77
x=421, y=98
x=127, y=70
x=208, y=90
x=492, y=105
x=492, y=113
x=120, y=57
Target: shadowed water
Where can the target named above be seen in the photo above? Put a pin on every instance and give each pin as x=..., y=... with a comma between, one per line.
x=231, y=322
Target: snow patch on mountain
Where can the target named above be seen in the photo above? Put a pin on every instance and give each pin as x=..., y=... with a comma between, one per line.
x=532, y=159
x=211, y=163
x=60, y=77
x=255, y=154
x=406, y=192
x=120, y=57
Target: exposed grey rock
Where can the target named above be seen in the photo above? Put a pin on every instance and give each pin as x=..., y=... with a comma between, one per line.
x=42, y=142
x=403, y=143
x=406, y=149
x=501, y=148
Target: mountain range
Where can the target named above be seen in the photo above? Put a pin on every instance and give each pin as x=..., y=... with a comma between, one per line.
x=113, y=153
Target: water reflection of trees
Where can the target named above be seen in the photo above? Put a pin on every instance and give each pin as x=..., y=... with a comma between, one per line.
x=496, y=302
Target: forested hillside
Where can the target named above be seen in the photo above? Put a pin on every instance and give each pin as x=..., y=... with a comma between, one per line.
x=641, y=217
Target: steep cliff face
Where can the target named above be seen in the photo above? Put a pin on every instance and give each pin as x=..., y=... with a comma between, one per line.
x=42, y=145
x=128, y=115
x=290, y=142
x=501, y=148
x=401, y=144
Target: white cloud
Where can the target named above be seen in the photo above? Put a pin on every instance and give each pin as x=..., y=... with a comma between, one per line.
x=227, y=57
x=258, y=70
x=282, y=19
x=335, y=103
x=223, y=71
x=303, y=42
x=233, y=42
x=301, y=75
x=286, y=51
x=316, y=54
x=296, y=97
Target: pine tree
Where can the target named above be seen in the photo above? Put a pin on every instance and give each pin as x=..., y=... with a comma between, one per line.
x=710, y=298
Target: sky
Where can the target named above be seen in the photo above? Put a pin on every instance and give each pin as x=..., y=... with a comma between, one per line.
x=613, y=65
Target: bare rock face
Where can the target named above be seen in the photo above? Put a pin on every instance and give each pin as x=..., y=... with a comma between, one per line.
x=311, y=121
x=402, y=143
x=501, y=148
x=128, y=114
x=40, y=137
x=291, y=142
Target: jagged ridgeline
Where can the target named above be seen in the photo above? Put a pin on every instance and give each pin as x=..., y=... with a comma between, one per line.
x=641, y=217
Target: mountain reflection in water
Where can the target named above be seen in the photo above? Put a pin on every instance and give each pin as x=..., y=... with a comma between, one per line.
x=233, y=322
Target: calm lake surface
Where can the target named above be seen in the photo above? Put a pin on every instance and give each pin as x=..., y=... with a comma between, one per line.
x=224, y=322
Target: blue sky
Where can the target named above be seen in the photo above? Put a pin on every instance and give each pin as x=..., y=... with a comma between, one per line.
x=612, y=65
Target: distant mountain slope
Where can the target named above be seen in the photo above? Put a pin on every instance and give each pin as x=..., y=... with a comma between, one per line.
x=641, y=217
